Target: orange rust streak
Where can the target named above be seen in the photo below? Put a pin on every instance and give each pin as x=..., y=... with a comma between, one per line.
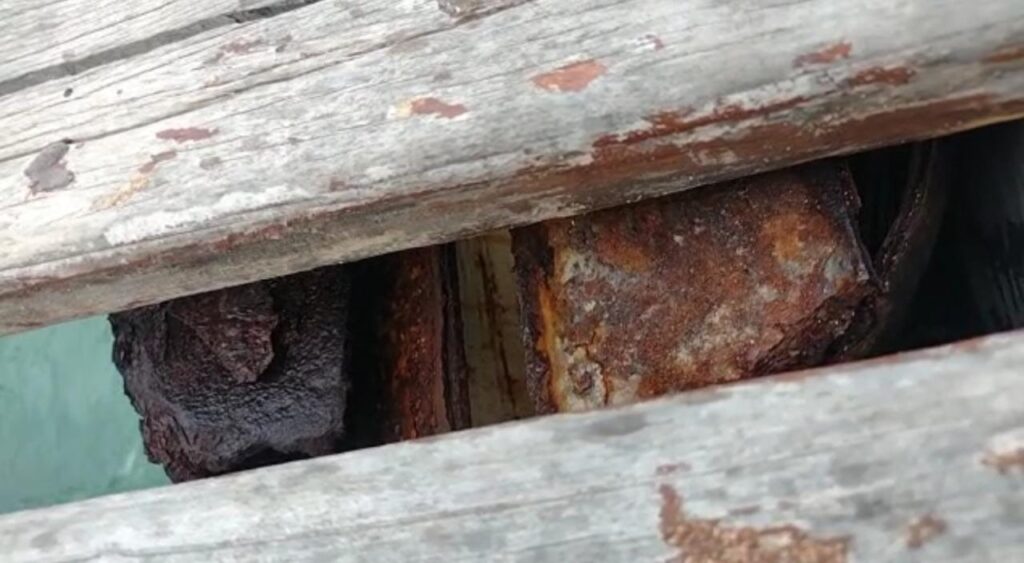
x=412, y=328
x=1006, y=54
x=547, y=345
x=828, y=54
x=674, y=122
x=924, y=529
x=1005, y=461
x=893, y=76
x=434, y=106
x=700, y=540
x=573, y=77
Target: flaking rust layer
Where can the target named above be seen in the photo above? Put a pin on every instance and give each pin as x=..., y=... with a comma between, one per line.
x=713, y=285
x=239, y=378
x=421, y=359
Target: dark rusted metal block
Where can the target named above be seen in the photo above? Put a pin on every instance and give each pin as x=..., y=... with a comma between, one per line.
x=241, y=377
x=713, y=285
x=412, y=336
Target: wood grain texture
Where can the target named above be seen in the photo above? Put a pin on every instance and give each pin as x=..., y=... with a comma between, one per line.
x=913, y=458
x=342, y=130
x=47, y=39
x=492, y=330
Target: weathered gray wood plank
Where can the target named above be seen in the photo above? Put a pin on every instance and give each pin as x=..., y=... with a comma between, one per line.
x=341, y=130
x=913, y=458
x=44, y=39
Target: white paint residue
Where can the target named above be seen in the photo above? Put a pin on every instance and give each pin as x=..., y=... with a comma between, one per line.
x=166, y=222
x=400, y=111
x=1007, y=443
x=378, y=173
x=581, y=160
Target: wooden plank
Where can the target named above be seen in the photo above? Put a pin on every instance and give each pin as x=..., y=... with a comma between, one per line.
x=492, y=330
x=338, y=131
x=47, y=39
x=913, y=458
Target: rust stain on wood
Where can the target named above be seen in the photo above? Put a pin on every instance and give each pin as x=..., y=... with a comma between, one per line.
x=677, y=122
x=434, y=106
x=185, y=134
x=1007, y=54
x=618, y=160
x=573, y=77
x=715, y=541
x=1005, y=461
x=892, y=76
x=605, y=181
x=924, y=529
x=825, y=55
x=156, y=159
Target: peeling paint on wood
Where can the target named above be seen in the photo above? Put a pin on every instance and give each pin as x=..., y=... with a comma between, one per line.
x=714, y=541
x=1007, y=54
x=1005, y=452
x=518, y=155
x=431, y=106
x=573, y=77
x=892, y=76
x=825, y=55
x=924, y=529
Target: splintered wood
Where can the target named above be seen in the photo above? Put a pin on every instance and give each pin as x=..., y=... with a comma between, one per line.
x=742, y=279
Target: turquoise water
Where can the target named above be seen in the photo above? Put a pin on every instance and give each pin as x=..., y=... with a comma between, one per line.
x=67, y=431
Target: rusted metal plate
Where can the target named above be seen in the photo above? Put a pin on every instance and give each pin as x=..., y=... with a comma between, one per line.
x=410, y=358
x=736, y=280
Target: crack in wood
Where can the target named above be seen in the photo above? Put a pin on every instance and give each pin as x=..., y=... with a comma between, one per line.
x=474, y=9
x=142, y=46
